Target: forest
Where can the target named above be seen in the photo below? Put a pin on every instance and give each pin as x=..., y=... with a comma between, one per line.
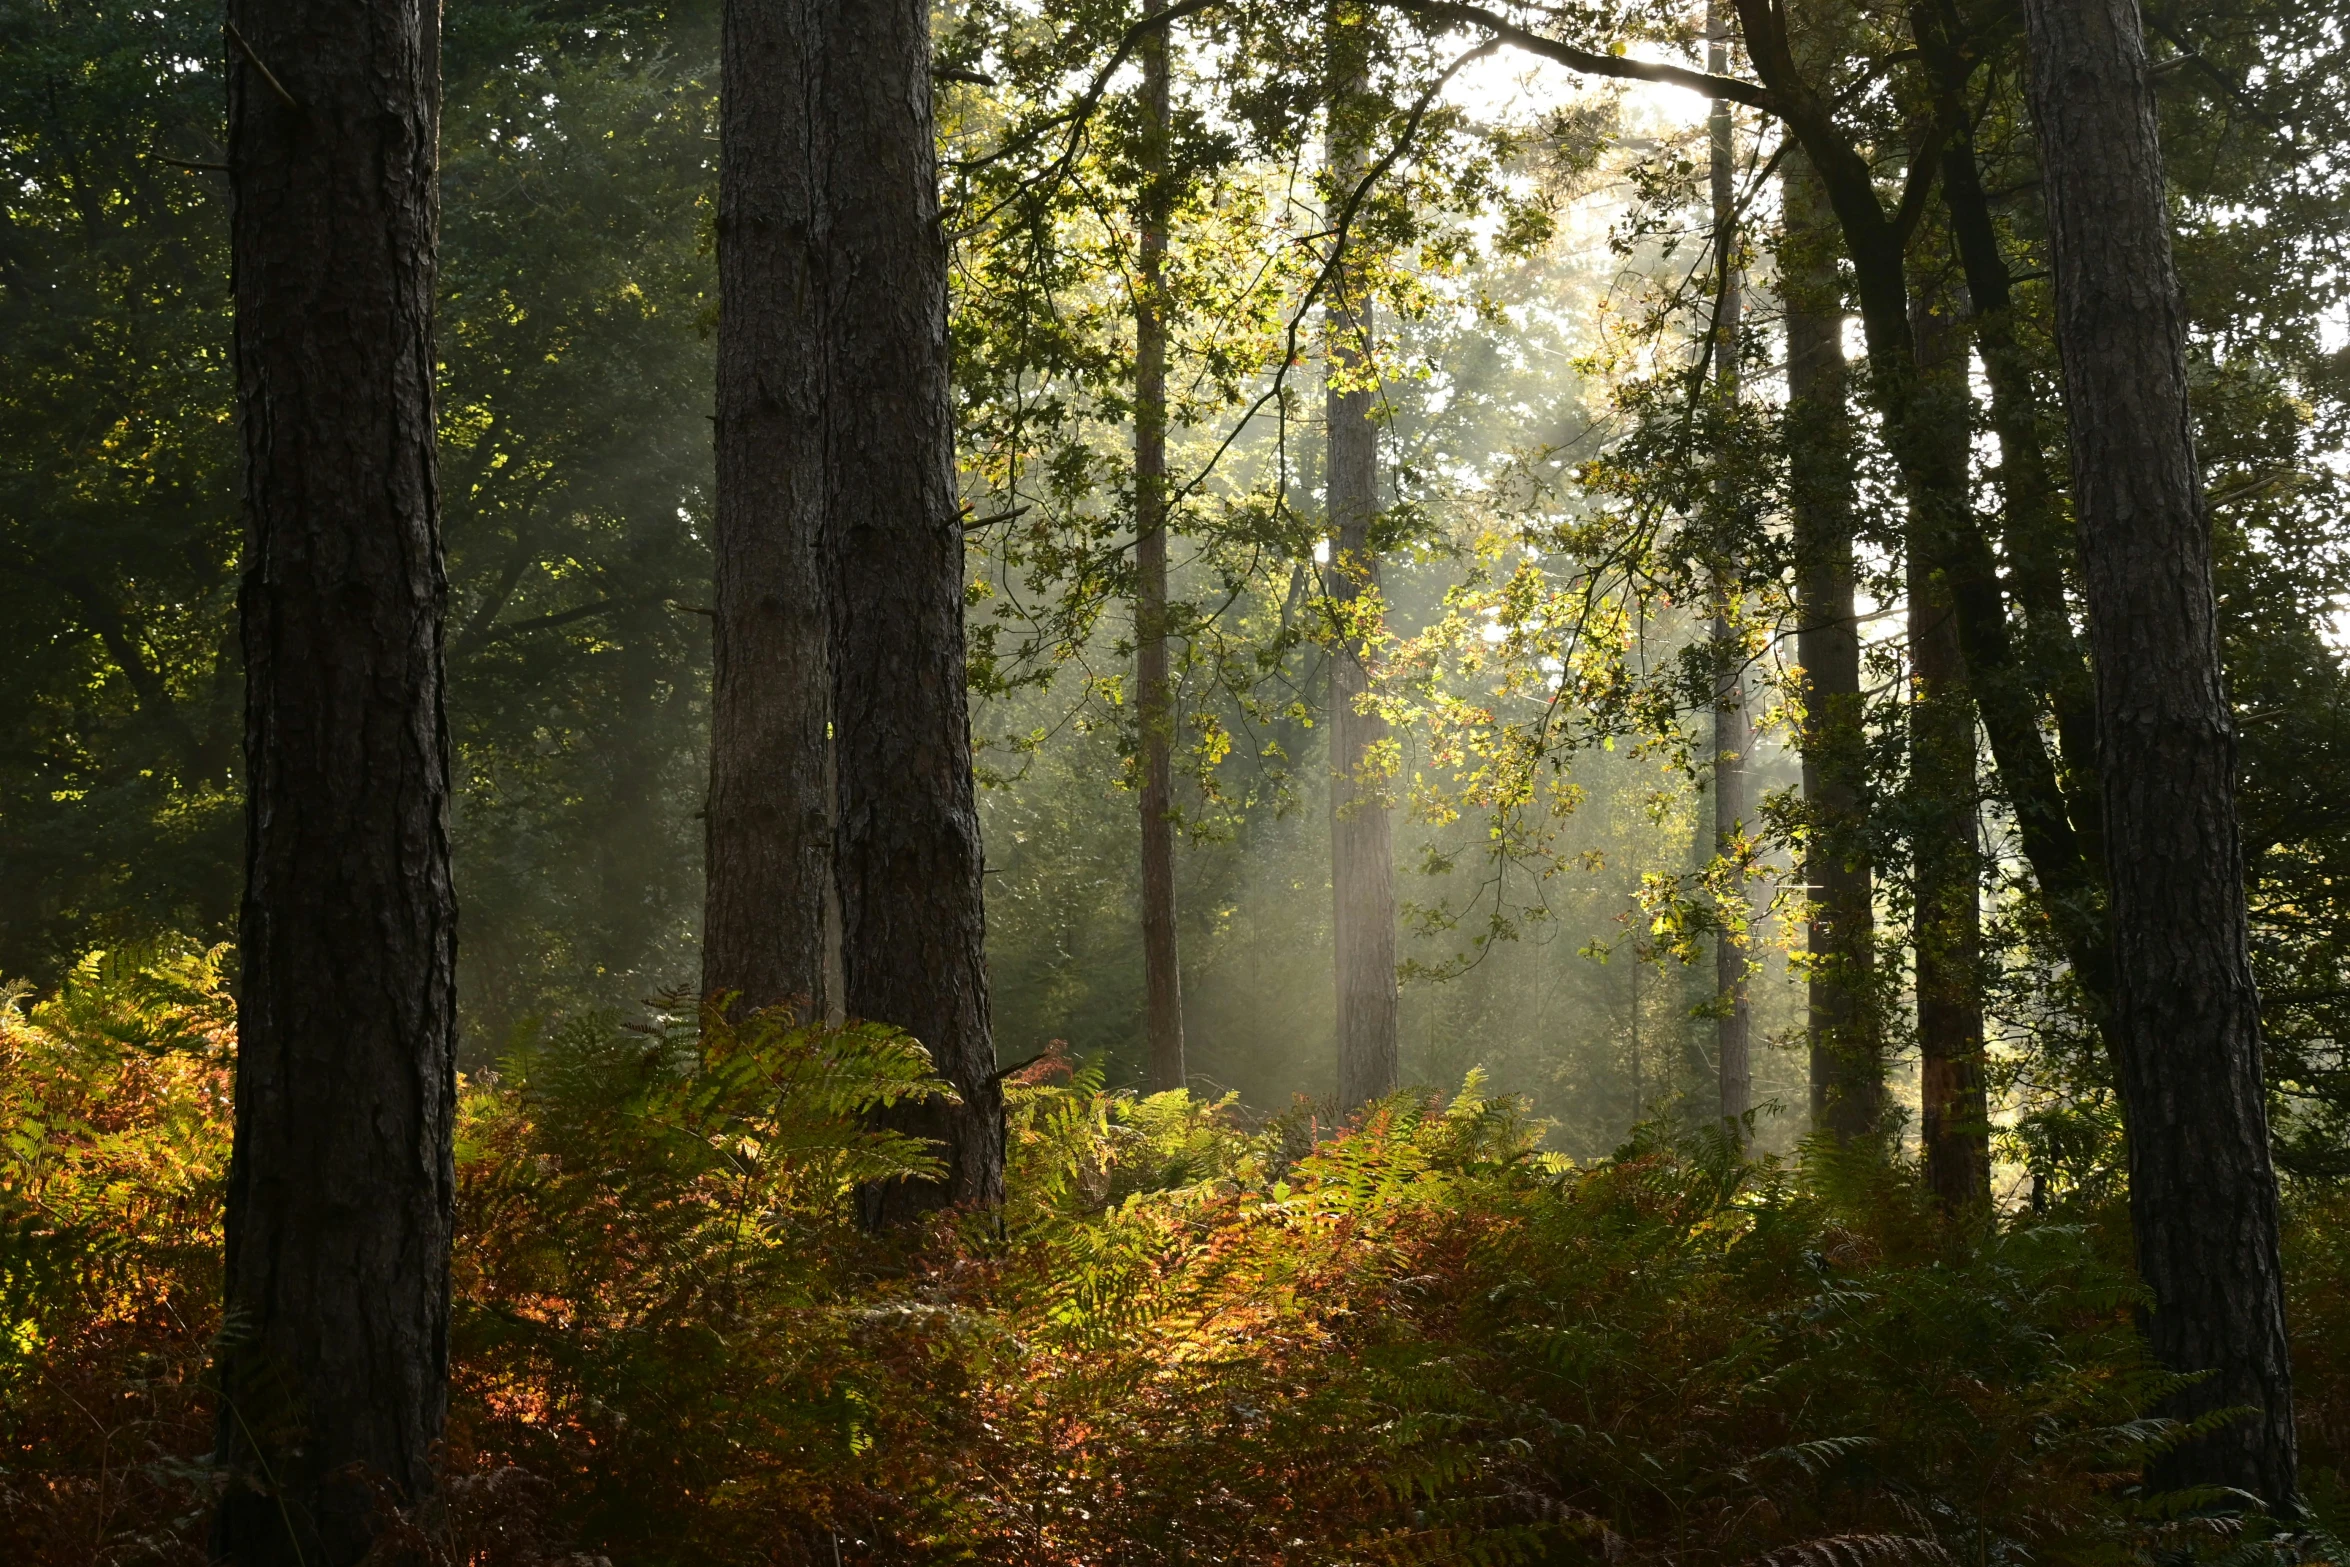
x=1130, y=783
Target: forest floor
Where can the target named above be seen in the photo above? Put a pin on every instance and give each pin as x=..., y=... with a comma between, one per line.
x=1186, y=1336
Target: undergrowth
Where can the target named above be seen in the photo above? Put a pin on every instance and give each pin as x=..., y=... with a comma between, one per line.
x=1186, y=1338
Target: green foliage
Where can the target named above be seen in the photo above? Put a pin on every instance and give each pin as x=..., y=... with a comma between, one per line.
x=1412, y=1338
x=577, y=182
x=118, y=525
x=114, y=1120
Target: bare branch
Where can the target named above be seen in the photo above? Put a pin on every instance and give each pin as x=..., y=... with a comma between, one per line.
x=1589, y=61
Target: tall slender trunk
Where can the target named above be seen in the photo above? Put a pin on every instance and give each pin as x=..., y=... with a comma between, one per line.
x=1162, y=971
x=2036, y=533
x=1362, y=852
x=868, y=328
x=2203, y=1196
x=1733, y=738
x=1935, y=491
x=333, y=1365
x=1947, y=928
x=1847, y=1073
x=769, y=825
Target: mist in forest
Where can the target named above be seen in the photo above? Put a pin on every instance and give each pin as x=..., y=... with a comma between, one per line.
x=579, y=825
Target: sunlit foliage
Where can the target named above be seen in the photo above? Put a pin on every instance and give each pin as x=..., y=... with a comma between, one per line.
x=1410, y=1338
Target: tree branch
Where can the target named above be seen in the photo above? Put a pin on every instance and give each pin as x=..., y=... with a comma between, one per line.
x=564, y=617
x=1589, y=61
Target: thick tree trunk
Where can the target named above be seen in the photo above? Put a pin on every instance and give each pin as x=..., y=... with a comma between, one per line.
x=769, y=827
x=1362, y=851
x=2203, y=1197
x=864, y=342
x=1732, y=737
x=1162, y=970
x=1847, y=1073
x=333, y=1364
x=1947, y=927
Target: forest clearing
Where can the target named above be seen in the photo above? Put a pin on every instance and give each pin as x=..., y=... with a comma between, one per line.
x=1175, y=782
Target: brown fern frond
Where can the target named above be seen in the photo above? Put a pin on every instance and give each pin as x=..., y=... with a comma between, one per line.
x=1860, y=1550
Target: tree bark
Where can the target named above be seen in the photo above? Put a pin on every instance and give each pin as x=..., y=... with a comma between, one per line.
x=333, y=1361
x=1847, y=1073
x=769, y=826
x=1162, y=970
x=2186, y=1019
x=1732, y=737
x=1362, y=853
x=870, y=325
x=1954, y=1119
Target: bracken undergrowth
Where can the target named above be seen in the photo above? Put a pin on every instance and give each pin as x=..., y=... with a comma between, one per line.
x=1187, y=1338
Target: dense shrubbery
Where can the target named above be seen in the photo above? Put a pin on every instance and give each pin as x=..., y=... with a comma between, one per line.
x=1185, y=1339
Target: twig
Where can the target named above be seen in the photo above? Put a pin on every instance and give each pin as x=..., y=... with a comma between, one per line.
x=182, y=163
x=254, y=60
x=992, y=518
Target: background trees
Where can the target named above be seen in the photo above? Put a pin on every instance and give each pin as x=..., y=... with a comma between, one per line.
x=1169, y=255
x=1559, y=492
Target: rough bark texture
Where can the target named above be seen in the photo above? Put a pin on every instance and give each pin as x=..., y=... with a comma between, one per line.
x=1954, y=1124
x=857, y=202
x=1847, y=1074
x=1162, y=969
x=2186, y=1021
x=1362, y=850
x=1732, y=737
x=769, y=827
x=334, y=1357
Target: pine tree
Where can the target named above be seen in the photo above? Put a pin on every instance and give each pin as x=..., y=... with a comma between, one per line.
x=1362, y=852
x=333, y=1359
x=2186, y=1018
x=769, y=823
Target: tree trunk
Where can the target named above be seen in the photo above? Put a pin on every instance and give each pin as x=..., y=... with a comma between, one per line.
x=1162, y=971
x=872, y=325
x=1734, y=1017
x=2186, y=1020
x=1362, y=853
x=2036, y=533
x=769, y=827
x=333, y=1363
x=2048, y=664
x=1941, y=509
x=1947, y=929
x=1847, y=1073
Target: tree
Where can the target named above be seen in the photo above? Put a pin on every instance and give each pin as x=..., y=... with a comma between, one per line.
x=1847, y=1071
x=118, y=800
x=334, y=1355
x=769, y=843
x=869, y=328
x=1362, y=851
x=1733, y=733
x=2186, y=1016
x=1954, y=1121
x=1162, y=969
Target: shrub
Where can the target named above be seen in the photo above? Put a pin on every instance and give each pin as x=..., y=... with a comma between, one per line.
x=1185, y=1338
